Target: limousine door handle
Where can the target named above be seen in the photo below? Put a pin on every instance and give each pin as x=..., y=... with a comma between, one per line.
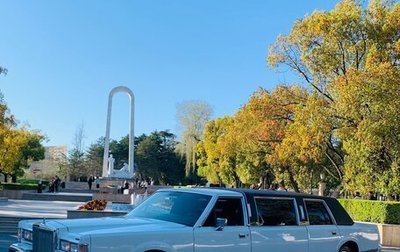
x=334, y=233
x=242, y=236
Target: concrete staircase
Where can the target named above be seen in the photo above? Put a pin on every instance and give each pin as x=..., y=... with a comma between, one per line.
x=9, y=225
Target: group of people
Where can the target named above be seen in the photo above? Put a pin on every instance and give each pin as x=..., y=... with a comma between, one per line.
x=55, y=184
x=278, y=186
x=273, y=186
x=377, y=196
x=93, y=179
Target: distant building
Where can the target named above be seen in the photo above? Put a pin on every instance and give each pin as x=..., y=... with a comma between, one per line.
x=53, y=156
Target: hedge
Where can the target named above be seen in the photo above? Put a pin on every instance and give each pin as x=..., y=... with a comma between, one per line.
x=32, y=181
x=383, y=212
x=18, y=186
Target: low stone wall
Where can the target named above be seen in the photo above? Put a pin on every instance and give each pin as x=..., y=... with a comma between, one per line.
x=73, y=185
x=14, y=194
x=389, y=234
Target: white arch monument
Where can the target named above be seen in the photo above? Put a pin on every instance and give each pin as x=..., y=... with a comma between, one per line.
x=108, y=162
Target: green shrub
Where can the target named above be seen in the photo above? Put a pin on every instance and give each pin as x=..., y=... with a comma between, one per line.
x=384, y=212
x=32, y=181
x=18, y=186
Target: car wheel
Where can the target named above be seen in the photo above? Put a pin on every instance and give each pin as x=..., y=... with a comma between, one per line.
x=345, y=249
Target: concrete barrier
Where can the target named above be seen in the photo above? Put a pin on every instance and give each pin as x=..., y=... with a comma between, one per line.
x=111, y=197
x=389, y=234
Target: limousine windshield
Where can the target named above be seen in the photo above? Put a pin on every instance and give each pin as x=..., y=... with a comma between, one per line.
x=178, y=207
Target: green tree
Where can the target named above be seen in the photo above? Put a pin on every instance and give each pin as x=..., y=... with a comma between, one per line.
x=120, y=151
x=94, y=157
x=156, y=158
x=76, y=168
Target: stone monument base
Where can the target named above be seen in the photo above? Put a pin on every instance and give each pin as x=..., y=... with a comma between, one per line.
x=114, y=182
x=110, y=190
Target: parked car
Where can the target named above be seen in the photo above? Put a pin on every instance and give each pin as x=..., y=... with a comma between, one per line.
x=204, y=219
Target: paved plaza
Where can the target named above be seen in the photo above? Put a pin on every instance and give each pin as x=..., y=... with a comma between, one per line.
x=36, y=209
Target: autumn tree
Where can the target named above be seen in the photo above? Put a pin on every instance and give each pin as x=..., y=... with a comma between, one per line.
x=264, y=121
x=18, y=148
x=215, y=155
x=240, y=149
x=7, y=132
x=32, y=150
x=372, y=137
x=337, y=54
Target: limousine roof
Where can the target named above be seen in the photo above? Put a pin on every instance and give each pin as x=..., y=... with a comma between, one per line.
x=338, y=212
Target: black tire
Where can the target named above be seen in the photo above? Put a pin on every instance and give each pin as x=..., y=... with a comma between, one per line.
x=345, y=249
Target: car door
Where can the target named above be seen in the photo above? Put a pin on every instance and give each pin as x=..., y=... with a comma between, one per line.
x=322, y=229
x=234, y=236
x=278, y=227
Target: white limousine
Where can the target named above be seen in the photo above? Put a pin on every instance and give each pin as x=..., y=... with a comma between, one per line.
x=202, y=220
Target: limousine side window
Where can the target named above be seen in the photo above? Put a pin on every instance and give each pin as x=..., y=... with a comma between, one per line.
x=276, y=212
x=228, y=208
x=317, y=213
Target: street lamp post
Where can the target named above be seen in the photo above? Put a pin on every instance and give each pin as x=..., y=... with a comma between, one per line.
x=322, y=184
x=311, y=180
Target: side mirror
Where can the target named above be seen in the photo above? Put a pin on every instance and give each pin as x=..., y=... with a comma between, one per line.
x=220, y=224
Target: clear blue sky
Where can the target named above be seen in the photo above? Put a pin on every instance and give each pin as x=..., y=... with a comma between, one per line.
x=63, y=58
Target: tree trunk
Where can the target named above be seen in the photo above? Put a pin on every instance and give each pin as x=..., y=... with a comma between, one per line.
x=293, y=181
x=14, y=178
x=5, y=177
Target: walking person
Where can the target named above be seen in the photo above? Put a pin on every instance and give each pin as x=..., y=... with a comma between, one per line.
x=97, y=182
x=52, y=184
x=57, y=182
x=90, y=182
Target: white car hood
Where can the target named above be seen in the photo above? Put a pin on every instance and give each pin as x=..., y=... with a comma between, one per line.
x=94, y=225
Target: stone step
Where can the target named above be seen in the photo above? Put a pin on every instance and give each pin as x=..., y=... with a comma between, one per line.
x=79, y=190
x=9, y=225
x=2, y=199
x=72, y=197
